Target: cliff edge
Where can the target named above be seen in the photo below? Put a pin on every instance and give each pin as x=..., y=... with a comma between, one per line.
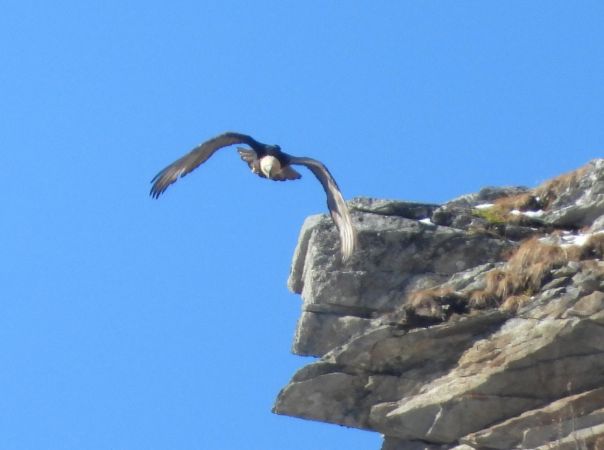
x=477, y=324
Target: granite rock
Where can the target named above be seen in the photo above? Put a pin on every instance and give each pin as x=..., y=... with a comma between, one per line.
x=454, y=377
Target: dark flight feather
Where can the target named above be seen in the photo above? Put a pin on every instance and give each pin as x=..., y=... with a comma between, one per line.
x=335, y=202
x=195, y=158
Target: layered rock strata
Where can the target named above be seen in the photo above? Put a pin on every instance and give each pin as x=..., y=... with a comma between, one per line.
x=477, y=324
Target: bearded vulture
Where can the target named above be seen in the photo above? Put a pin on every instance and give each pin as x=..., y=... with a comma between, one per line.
x=266, y=161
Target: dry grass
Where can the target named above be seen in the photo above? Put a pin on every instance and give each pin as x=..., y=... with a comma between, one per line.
x=436, y=303
x=418, y=298
x=549, y=191
x=497, y=284
x=521, y=202
x=482, y=299
x=594, y=247
x=529, y=268
x=514, y=302
x=525, y=272
x=428, y=302
x=511, y=287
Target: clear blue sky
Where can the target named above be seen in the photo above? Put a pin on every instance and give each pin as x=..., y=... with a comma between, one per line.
x=129, y=323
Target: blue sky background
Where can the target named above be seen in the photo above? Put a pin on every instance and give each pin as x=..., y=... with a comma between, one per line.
x=129, y=323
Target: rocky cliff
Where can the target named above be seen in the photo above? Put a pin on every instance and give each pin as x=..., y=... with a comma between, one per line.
x=477, y=324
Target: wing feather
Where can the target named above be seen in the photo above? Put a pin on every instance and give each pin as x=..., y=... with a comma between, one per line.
x=335, y=202
x=287, y=173
x=195, y=158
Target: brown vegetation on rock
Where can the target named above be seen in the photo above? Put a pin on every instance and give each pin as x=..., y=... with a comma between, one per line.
x=521, y=202
x=501, y=351
x=529, y=268
x=549, y=191
x=594, y=247
x=511, y=286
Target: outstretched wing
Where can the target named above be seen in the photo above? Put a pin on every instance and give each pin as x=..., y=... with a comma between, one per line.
x=194, y=158
x=337, y=206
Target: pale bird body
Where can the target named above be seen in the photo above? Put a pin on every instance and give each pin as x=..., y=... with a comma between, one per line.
x=270, y=166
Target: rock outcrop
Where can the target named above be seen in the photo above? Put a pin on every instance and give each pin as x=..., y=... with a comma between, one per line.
x=477, y=324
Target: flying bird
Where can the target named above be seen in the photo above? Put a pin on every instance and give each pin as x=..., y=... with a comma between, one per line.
x=266, y=161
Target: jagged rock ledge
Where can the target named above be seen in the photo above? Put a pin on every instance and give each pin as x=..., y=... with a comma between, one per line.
x=477, y=324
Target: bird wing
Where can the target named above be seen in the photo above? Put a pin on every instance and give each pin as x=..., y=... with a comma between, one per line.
x=251, y=158
x=286, y=173
x=194, y=158
x=335, y=202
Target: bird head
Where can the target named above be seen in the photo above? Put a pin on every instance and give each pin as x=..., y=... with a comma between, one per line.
x=270, y=166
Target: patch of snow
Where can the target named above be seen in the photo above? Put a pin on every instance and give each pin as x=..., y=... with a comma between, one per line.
x=484, y=206
x=427, y=221
x=533, y=213
x=576, y=239
x=527, y=213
